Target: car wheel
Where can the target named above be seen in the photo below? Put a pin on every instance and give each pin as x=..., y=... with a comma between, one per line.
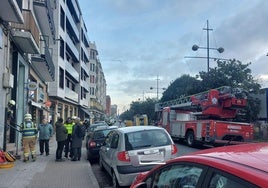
x=115, y=182
x=190, y=138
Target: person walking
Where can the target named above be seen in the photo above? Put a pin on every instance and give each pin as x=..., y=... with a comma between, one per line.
x=68, y=148
x=29, y=134
x=77, y=137
x=45, y=133
x=61, y=136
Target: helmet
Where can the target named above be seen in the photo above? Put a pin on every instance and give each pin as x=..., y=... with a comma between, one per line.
x=74, y=117
x=27, y=116
x=12, y=102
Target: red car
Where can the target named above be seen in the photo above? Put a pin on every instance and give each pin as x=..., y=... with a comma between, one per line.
x=238, y=166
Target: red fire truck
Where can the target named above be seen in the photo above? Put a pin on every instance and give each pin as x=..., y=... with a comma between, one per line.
x=206, y=117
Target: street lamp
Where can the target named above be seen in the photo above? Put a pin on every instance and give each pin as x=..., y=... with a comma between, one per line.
x=157, y=87
x=196, y=47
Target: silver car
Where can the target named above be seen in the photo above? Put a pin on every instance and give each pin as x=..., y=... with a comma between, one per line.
x=127, y=151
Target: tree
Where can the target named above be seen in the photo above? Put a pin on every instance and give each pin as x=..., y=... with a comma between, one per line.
x=182, y=86
x=235, y=74
x=139, y=108
x=230, y=73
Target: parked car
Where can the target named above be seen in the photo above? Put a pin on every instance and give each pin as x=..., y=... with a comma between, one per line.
x=95, y=139
x=94, y=125
x=130, y=150
x=238, y=166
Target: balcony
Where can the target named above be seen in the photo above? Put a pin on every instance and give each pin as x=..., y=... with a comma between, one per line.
x=84, y=102
x=71, y=48
x=86, y=69
x=85, y=54
x=85, y=85
x=26, y=36
x=72, y=26
x=43, y=64
x=71, y=72
x=11, y=12
x=72, y=5
x=44, y=15
x=87, y=42
x=70, y=94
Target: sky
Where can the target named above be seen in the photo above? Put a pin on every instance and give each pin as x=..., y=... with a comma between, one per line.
x=145, y=43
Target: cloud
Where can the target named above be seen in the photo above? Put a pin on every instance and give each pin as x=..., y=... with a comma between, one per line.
x=138, y=40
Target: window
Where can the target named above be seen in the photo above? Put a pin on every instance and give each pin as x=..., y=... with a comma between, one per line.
x=176, y=175
x=62, y=18
x=92, y=79
x=92, y=91
x=61, y=78
x=143, y=139
x=92, y=54
x=61, y=48
x=109, y=138
x=114, y=141
x=219, y=180
x=92, y=67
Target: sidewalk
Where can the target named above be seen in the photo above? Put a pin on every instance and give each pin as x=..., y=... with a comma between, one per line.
x=46, y=173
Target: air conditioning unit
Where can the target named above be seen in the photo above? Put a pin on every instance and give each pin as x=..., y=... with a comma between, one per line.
x=8, y=80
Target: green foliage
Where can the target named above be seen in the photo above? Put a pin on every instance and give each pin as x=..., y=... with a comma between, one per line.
x=140, y=107
x=182, y=86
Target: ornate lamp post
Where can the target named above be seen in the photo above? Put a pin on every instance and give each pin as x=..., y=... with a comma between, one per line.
x=196, y=47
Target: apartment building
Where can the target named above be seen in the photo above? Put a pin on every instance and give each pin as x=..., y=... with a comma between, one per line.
x=45, y=63
x=27, y=28
x=97, y=85
x=73, y=93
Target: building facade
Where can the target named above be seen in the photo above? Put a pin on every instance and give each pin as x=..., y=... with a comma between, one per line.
x=45, y=64
x=27, y=27
x=73, y=92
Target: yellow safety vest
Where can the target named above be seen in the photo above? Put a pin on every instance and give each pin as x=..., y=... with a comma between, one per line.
x=69, y=127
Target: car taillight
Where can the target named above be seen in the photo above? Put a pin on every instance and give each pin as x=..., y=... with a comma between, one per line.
x=92, y=144
x=123, y=156
x=174, y=149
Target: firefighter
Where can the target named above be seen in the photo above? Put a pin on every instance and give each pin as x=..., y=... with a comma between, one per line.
x=10, y=112
x=29, y=135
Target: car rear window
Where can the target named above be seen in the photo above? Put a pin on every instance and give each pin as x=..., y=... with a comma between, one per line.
x=101, y=133
x=146, y=138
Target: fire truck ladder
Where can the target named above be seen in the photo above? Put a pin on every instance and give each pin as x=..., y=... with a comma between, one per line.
x=185, y=102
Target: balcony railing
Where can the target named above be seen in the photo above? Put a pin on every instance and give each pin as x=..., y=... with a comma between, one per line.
x=70, y=94
x=29, y=25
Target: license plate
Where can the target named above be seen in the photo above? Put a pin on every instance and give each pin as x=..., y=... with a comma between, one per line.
x=151, y=158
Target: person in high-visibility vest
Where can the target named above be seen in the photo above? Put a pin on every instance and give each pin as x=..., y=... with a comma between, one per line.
x=29, y=134
x=67, y=150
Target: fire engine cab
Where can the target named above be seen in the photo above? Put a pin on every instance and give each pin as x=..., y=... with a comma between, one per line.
x=206, y=117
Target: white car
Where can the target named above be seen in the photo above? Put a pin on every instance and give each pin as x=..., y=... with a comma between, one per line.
x=127, y=151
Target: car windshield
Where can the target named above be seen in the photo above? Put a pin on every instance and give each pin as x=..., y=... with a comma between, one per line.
x=147, y=138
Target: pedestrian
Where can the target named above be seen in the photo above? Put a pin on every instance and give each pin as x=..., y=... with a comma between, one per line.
x=77, y=137
x=68, y=148
x=29, y=134
x=45, y=133
x=61, y=136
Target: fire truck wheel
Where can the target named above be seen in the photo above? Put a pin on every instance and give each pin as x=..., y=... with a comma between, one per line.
x=190, y=138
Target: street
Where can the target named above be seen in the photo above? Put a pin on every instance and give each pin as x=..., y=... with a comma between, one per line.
x=105, y=181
